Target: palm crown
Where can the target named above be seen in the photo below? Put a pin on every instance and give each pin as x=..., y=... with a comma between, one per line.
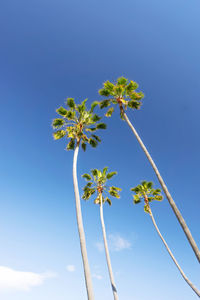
x=145, y=191
x=123, y=92
x=97, y=183
x=78, y=124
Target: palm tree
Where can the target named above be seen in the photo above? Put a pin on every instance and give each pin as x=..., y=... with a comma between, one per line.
x=77, y=123
x=96, y=183
x=124, y=94
x=145, y=191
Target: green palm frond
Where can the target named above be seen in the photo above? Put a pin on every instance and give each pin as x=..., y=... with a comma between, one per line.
x=59, y=134
x=104, y=103
x=96, y=138
x=71, y=103
x=108, y=200
x=101, y=126
x=93, y=142
x=98, y=179
x=84, y=146
x=93, y=105
x=110, y=175
x=96, y=118
x=58, y=123
x=122, y=81
x=145, y=191
x=104, y=92
x=78, y=123
x=123, y=92
x=71, y=144
x=109, y=112
x=87, y=176
x=61, y=111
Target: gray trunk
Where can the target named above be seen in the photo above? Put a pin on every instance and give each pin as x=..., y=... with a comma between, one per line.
x=107, y=252
x=174, y=260
x=169, y=197
x=86, y=267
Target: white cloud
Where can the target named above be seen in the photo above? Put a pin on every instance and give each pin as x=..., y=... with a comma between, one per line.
x=19, y=280
x=99, y=246
x=97, y=276
x=70, y=268
x=115, y=242
x=118, y=243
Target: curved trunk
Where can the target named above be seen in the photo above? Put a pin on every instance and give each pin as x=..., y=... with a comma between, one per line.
x=174, y=260
x=86, y=267
x=164, y=187
x=107, y=252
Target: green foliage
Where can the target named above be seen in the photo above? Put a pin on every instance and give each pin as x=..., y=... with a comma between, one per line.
x=109, y=112
x=147, y=209
x=93, y=142
x=96, y=137
x=82, y=107
x=95, y=118
x=122, y=92
x=59, y=134
x=146, y=192
x=122, y=81
x=58, y=123
x=87, y=176
x=71, y=103
x=104, y=103
x=78, y=123
x=93, y=105
x=104, y=92
x=110, y=175
x=101, y=126
x=61, y=111
x=71, y=145
x=83, y=145
x=99, y=180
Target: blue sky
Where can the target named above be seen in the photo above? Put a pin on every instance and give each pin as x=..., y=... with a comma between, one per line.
x=51, y=50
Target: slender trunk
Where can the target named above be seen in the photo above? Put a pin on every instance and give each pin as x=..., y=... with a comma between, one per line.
x=174, y=260
x=164, y=187
x=107, y=252
x=86, y=267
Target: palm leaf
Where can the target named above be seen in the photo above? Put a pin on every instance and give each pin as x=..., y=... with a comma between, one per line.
x=87, y=176
x=101, y=126
x=93, y=142
x=61, y=111
x=71, y=144
x=59, y=134
x=58, y=123
x=71, y=103
x=104, y=103
x=96, y=138
x=93, y=105
x=109, y=112
x=110, y=175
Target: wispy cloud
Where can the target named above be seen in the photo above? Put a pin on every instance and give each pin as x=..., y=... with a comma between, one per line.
x=70, y=268
x=97, y=276
x=99, y=246
x=11, y=279
x=116, y=243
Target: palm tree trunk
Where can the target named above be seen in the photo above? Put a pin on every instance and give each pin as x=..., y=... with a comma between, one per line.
x=86, y=267
x=170, y=253
x=164, y=187
x=107, y=252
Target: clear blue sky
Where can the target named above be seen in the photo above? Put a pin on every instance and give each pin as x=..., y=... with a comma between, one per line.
x=51, y=50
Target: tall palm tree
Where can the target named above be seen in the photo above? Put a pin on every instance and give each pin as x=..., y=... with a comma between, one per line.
x=146, y=192
x=97, y=183
x=123, y=93
x=79, y=124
